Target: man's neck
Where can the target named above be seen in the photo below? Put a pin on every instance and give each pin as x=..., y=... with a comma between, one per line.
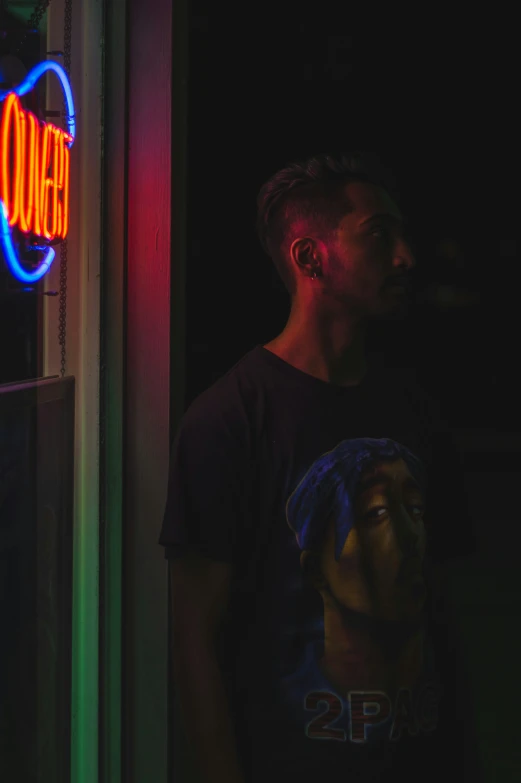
x=332, y=350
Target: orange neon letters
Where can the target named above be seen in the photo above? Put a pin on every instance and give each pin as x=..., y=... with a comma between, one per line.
x=34, y=172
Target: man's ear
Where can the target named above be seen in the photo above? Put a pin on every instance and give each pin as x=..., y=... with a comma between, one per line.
x=310, y=564
x=305, y=253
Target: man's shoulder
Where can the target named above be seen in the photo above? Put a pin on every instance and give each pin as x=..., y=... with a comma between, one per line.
x=226, y=399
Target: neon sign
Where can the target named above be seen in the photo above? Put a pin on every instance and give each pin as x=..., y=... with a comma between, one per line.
x=34, y=178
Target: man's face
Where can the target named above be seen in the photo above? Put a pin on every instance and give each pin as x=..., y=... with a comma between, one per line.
x=379, y=571
x=368, y=254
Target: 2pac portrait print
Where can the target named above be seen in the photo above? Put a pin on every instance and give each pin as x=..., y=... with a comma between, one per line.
x=358, y=516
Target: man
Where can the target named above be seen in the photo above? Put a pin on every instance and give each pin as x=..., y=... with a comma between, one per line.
x=244, y=614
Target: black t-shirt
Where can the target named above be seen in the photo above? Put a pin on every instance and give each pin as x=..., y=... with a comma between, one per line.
x=318, y=495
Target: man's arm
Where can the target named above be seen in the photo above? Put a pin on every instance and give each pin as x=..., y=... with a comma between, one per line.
x=200, y=590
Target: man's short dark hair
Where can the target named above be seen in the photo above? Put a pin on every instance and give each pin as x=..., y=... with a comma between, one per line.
x=312, y=190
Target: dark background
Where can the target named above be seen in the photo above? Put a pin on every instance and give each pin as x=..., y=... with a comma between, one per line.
x=433, y=97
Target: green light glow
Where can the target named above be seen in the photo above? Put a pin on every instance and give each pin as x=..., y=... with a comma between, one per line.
x=84, y=745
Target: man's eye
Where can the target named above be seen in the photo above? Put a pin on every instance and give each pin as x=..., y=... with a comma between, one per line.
x=379, y=231
x=417, y=511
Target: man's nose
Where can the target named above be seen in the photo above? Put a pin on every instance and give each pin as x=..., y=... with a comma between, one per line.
x=404, y=257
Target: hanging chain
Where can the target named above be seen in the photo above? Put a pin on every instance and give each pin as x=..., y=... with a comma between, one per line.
x=62, y=322
x=33, y=22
